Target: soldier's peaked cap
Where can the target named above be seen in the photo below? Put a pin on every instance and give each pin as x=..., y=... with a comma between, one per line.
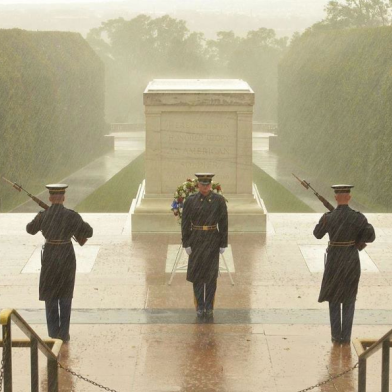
x=342, y=188
x=57, y=189
x=204, y=178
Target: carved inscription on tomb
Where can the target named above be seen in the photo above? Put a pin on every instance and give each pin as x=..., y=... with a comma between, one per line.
x=198, y=142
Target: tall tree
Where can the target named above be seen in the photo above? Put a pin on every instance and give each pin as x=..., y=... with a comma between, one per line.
x=138, y=50
x=355, y=13
x=253, y=58
x=221, y=50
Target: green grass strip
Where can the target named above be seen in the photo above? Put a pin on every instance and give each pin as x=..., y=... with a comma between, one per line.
x=117, y=194
x=275, y=196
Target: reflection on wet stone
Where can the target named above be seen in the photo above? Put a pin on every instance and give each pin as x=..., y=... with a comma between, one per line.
x=131, y=331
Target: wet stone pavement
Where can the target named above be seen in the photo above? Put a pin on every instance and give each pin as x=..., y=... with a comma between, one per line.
x=131, y=331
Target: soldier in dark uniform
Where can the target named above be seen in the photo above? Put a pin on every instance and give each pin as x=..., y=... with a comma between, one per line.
x=348, y=231
x=204, y=237
x=58, y=263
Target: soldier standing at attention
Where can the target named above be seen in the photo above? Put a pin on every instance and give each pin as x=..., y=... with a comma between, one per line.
x=204, y=237
x=58, y=263
x=348, y=231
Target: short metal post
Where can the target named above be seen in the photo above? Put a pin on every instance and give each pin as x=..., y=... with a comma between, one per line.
x=362, y=375
x=34, y=365
x=7, y=347
x=53, y=382
x=385, y=366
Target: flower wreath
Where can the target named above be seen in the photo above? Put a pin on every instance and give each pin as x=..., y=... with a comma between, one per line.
x=188, y=188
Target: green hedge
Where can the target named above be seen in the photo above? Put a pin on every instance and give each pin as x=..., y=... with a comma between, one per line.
x=51, y=108
x=116, y=195
x=335, y=109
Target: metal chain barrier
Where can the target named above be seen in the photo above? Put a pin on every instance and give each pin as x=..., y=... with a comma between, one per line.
x=113, y=390
x=83, y=378
x=330, y=379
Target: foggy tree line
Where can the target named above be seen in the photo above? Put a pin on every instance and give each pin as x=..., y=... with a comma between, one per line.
x=355, y=14
x=138, y=50
x=141, y=49
x=349, y=14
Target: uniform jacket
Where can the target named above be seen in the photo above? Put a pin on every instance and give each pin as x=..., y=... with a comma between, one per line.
x=58, y=263
x=342, y=267
x=199, y=210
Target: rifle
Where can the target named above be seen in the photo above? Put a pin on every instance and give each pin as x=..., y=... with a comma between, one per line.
x=19, y=188
x=360, y=245
x=307, y=185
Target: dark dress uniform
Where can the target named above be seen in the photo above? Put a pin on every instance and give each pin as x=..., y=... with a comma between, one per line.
x=58, y=264
x=346, y=228
x=205, y=230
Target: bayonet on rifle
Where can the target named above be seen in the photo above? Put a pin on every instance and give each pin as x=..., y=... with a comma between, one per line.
x=19, y=188
x=307, y=185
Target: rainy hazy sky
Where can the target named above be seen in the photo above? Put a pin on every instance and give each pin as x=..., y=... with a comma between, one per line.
x=207, y=16
x=256, y=6
x=53, y=1
x=243, y=2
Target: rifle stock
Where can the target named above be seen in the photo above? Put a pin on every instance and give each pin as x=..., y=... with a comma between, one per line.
x=326, y=203
x=39, y=202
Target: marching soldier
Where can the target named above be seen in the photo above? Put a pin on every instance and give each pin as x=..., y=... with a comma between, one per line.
x=204, y=237
x=348, y=232
x=58, y=263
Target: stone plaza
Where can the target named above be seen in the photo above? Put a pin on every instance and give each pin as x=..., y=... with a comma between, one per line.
x=132, y=331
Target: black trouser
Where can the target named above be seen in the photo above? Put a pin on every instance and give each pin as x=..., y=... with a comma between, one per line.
x=204, y=295
x=341, y=317
x=58, y=316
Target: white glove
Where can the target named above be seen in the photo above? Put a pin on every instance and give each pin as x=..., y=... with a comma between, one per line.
x=221, y=250
x=188, y=250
